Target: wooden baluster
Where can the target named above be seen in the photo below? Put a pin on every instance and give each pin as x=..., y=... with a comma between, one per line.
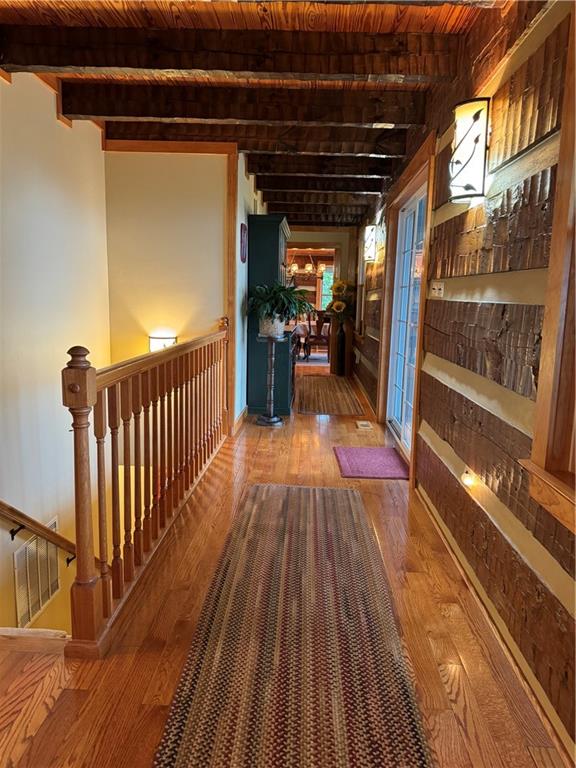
x=219, y=392
x=224, y=324
x=145, y=389
x=188, y=420
x=79, y=396
x=100, y=434
x=126, y=413
x=175, y=431
x=210, y=399
x=163, y=467
x=195, y=461
x=206, y=399
x=137, y=411
x=204, y=409
x=114, y=424
x=169, y=440
x=156, y=482
x=181, y=434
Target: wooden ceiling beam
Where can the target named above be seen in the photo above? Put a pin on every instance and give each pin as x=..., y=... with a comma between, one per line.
x=313, y=165
x=405, y=57
x=324, y=219
x=269, y=138
x=294, y=208
x=318, y=198
x=266, y=106
x=320, y=184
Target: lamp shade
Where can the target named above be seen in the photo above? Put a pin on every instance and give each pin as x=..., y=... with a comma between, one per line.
x=468, y=161
x=156, y=343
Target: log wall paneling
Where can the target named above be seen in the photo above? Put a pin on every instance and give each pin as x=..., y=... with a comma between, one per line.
x=368, y=380
x=538, y=622
x=91, y=100
x=329, y=140
x=529, y=105
x=372, y=315
x=511, y=231
x=491, y=448
x=402, y=57
x=499, y=341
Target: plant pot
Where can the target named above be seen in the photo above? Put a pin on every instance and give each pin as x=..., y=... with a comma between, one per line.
x=271, y=327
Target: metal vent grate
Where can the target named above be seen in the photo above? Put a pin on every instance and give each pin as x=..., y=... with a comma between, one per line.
x=36, y=576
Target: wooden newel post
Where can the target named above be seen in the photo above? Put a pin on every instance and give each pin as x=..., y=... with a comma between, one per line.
x=79, y=396
x=224, y=325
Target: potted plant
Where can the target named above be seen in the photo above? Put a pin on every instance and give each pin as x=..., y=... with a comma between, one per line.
x=275, y=304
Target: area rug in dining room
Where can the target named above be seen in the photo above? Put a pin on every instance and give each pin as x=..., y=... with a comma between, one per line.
x=331, y=395
x=296, y=660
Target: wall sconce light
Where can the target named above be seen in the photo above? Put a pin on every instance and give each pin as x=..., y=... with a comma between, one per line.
x=468, y=478
x=156, y=343
x=467, y=167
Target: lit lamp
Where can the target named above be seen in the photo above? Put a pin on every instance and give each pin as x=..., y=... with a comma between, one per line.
x=293, y=268
x=322, y=268
x=468, y=478
x=158, y=342
x=309, y=268
x=467, y=166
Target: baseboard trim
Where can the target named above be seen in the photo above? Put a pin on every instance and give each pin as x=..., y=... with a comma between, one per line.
x=97, y=649
x=556, y=727
x=239, y=423
x=361, y=388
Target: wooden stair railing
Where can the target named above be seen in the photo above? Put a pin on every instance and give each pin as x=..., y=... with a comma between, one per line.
x=158, y=421
x=13, y=515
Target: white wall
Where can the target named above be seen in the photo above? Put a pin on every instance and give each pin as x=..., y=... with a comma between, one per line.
x=53, y=294
x=249, y=201
x=166, y=246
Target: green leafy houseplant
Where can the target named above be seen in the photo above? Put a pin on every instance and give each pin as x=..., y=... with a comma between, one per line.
x=275, y=304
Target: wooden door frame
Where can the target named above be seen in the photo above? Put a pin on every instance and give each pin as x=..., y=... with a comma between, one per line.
x=419, y=171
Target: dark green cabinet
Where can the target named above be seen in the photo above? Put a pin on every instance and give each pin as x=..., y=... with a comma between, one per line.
x=267, y=236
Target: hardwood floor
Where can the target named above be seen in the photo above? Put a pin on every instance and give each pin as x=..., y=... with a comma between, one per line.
x=67, y=713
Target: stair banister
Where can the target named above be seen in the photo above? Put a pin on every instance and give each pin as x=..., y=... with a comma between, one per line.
x=158, y=421
x=79, y=396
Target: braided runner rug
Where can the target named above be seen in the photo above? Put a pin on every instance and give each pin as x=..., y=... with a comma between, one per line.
x=296, y=661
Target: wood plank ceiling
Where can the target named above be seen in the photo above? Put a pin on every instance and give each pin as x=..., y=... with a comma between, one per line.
x=318, y=95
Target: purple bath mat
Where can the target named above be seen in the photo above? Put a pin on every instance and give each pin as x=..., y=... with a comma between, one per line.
x=379, y=463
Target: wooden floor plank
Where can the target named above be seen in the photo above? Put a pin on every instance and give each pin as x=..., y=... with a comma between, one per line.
x=476, y=711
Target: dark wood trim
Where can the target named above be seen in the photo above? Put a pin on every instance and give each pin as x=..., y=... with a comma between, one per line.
x=403, y=57
x=267, y=106
x=343, y=141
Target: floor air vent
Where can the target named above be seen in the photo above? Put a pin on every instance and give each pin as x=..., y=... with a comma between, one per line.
x=35, y=576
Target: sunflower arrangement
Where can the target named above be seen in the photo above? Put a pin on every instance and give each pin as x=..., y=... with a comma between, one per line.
x=342, y=304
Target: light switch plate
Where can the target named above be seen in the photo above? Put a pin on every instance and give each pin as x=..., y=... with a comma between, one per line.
x=437, y=289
